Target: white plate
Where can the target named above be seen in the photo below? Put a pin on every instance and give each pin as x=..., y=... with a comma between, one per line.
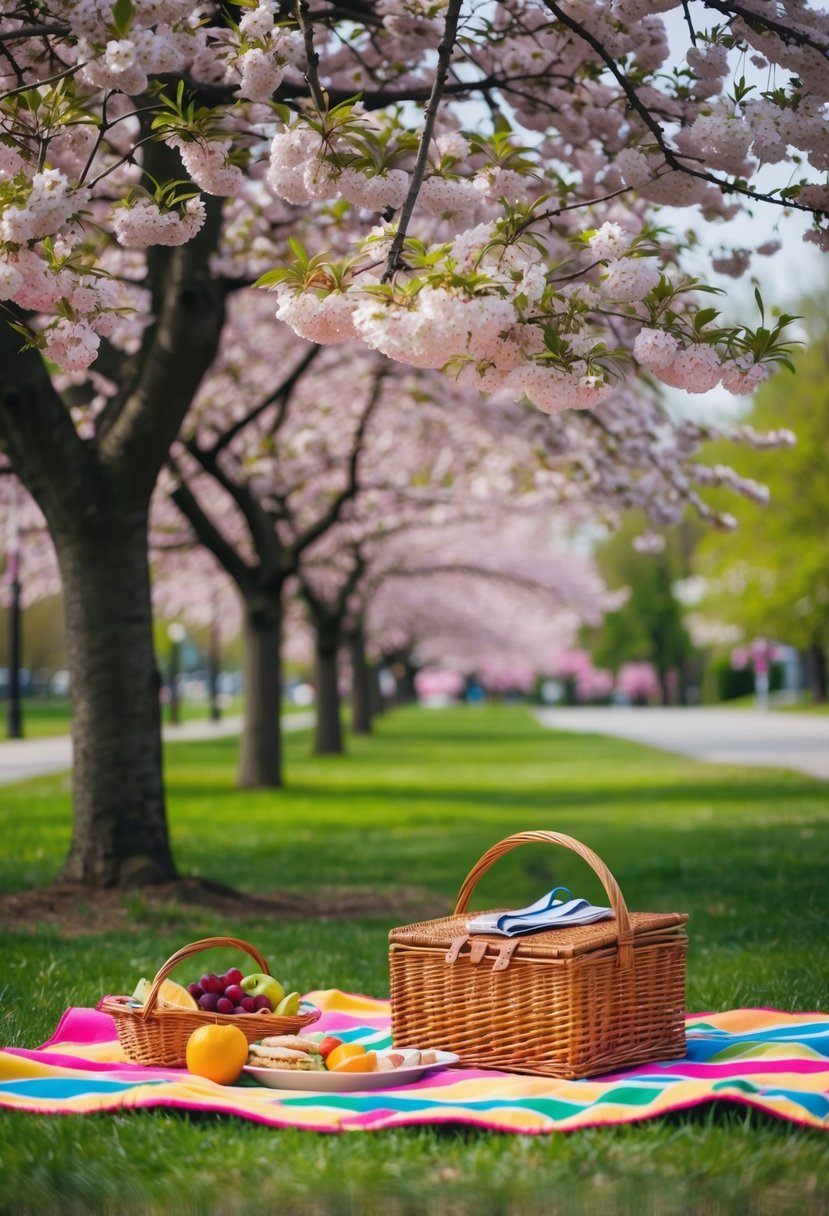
x=346, y=1082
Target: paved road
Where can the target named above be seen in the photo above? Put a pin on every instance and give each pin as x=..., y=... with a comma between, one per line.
x=23, y=758
x=722, y=736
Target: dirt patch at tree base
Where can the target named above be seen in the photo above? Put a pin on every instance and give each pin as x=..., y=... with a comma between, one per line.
x=75, y=910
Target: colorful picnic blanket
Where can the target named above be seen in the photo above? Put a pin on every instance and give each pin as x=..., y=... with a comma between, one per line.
x=776, y=1062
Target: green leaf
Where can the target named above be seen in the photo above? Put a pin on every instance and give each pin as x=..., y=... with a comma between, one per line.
x=704, y=317
x=123, y=12
x=299, y=251
x=271, y=277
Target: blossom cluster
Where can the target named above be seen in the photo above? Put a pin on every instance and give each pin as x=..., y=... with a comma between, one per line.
x=492, y=326
x=77, y=161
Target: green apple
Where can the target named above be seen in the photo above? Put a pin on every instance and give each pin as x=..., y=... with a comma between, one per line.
x=263, y=985
x=288, y=1007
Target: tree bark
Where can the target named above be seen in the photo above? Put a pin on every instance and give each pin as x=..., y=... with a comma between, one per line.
x=361, y=681
x=405, y=672
x=116, y=731
x=328, y=733
x=94, y=493
x=377, y=702
x=260, y=761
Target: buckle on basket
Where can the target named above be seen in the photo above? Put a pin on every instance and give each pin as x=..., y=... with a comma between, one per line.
x=477, y=949
x=505, y=954
x=455, y=948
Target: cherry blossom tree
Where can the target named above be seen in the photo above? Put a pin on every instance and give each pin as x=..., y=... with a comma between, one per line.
x=505, y=629
x=583, y=680
x=261, y=472
x=639, y=682
x=156, y=157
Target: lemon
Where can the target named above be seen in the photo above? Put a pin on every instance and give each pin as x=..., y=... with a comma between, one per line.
x=170, y=993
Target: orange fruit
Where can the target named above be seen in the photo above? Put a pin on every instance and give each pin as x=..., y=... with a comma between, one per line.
x=345, y=1051
x=367, y=1062
x=217, y=1052
x=171, y=993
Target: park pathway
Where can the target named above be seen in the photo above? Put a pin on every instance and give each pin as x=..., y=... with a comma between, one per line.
x=23, y=758
x=720, y=736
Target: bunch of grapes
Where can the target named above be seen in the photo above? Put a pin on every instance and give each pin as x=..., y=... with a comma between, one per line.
x=224, y=994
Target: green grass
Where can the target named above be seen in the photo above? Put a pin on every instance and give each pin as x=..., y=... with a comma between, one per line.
x=744, y=852
x=44, y=716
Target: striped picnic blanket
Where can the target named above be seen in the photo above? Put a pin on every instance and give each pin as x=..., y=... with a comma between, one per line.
x=776, y=1062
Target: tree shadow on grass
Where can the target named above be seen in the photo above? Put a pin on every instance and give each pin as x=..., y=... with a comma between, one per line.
x=552, y=797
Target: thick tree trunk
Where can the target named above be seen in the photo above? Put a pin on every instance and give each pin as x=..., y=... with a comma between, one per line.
x=361, y=681
x=405, y=672
x=377, y=702
x=94, y=494
x=816, y=667
x=328, y=733
x=116, y=727
x=260, y=761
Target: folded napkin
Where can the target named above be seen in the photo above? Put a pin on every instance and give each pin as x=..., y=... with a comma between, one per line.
x=549, y=912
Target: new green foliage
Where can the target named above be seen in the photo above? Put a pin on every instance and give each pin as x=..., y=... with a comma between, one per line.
x=771, y=576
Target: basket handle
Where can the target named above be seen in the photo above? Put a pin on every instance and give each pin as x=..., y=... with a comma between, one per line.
x=617, y=900
x=205, y=943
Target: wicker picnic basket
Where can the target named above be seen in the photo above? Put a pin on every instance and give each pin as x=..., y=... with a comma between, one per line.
x=567, y=1002
x=157, y=1035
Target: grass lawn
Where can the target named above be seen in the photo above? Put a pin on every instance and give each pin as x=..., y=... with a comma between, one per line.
x=744, y=852
x=44, y=716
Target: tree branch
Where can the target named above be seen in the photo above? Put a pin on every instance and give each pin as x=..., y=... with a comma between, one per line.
x=784, y=32
x=445, y=49
x=672, y=159
x=265, y=542
x=209, y=535
x=36, y=31
x=330, y=517
x=37, y=434
x=311, y=74
x=281, y=394
x=161, y=380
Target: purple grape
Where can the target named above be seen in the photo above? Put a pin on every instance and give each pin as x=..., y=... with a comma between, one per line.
x=234, y=993
x=262, y=1002
x=207, y=1002
x=223, y=1005
x=195, y=990
x=247, y=1004
x=233, y=976
x=211, y=983
x=239, y=1009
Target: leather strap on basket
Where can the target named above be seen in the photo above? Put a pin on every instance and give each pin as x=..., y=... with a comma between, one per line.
x=624, y=929
x=205, y=943
x=478, y=948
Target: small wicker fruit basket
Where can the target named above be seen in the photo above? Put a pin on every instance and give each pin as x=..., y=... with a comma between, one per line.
x=157, y=1035
x=568, y=1002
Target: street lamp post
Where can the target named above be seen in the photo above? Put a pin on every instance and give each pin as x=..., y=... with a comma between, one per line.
x=215, y=660
x=14, y=717
x=176, y=634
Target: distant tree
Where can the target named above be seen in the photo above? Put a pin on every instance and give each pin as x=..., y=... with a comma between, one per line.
x=772, y=575
x=649, y=626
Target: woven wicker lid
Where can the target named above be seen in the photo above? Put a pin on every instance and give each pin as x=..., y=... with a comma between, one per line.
x=624, y=929
x=566, y=942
